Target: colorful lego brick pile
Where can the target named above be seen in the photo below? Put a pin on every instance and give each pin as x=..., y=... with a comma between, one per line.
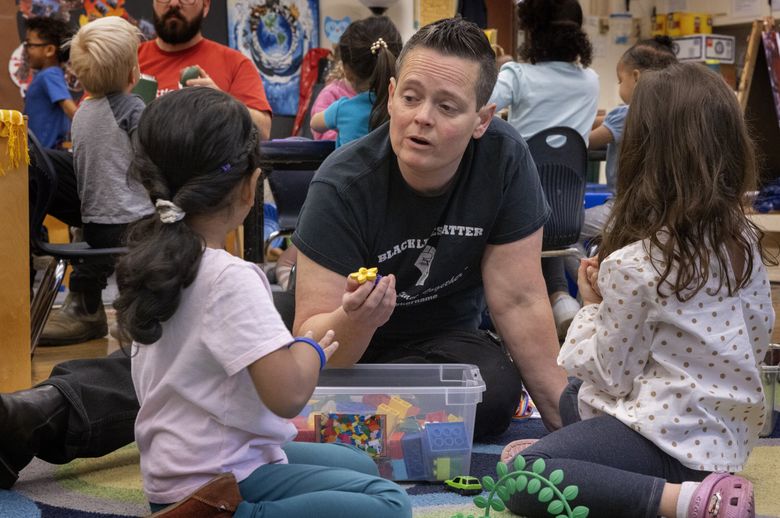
x=406, y=443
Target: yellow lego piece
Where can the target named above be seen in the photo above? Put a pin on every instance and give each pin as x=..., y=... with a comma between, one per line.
x=454, y=419
x=365, y=274
x=400, y=405
x=441, y=468
x=391, y=413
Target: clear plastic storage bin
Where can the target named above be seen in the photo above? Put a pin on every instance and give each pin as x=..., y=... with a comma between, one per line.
x=415, y=420
x=770, y=369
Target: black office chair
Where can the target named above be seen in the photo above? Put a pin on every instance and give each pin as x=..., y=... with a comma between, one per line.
x=561, y=158
x=290, y=165
x=43, y=186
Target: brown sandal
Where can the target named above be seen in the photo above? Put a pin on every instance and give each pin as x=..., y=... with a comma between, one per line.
x=514, y=448
x=218, y=498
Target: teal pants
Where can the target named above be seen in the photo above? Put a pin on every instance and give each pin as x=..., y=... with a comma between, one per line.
x=322, y=480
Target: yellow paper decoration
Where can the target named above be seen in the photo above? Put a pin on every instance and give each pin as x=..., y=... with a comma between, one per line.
x=12, y=128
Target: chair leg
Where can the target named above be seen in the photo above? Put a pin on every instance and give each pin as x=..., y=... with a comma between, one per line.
x=44, y=298
x=283, y=232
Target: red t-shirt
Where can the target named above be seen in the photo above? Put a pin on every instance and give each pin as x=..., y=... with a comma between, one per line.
x=233, y=72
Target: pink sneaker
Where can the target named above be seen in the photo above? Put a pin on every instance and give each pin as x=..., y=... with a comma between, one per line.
x=514, y=448
x=721, y=495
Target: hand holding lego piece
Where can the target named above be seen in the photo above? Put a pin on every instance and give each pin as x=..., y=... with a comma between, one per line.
x=366, y=274
x=369, y=303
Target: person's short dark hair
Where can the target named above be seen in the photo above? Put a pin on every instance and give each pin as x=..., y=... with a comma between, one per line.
x=652, y=54
x=553, y=32
x=51, y=30
x=460, y=38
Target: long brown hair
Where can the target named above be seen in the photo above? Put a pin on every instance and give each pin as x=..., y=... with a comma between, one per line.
x=685, y=163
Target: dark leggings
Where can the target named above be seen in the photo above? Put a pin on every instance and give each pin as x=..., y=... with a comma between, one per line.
x=619, y=473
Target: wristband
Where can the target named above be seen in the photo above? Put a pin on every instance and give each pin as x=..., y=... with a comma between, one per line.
x=313, y=343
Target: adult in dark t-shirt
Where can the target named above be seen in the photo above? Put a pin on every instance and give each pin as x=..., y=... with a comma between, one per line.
x=446, y=201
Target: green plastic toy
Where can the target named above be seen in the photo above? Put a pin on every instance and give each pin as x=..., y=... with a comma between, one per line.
x=189, y=73
x=464, y=485
x=533, y=483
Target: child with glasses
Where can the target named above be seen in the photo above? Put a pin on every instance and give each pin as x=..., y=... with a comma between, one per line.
x=48, y=103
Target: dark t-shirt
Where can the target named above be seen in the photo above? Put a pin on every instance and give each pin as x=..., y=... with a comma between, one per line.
x=361, y=212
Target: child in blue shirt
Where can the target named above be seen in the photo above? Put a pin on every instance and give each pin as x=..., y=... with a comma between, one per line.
x=651, y=54
x=368, y=50
x=48, y=103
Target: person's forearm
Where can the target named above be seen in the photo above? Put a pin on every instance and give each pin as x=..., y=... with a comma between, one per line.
x=529, y=335
x=353, y=337
x=263, y=122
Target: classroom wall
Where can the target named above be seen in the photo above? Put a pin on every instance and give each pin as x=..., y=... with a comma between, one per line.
x=402, y=15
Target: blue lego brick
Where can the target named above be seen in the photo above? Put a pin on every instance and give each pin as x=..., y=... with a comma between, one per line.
x=399, y=470
x=445, y=439
x=416, y=466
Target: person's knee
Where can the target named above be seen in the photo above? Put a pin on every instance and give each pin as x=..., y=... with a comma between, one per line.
x=398, y=502
x=358, y=460
x=495, y=412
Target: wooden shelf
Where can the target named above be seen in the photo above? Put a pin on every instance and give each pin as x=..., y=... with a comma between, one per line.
x=770, y=224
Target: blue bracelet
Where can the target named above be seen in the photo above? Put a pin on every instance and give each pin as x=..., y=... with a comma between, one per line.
x=317, y=347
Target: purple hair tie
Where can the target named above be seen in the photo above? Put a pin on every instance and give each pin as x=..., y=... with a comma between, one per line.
x=225, y=168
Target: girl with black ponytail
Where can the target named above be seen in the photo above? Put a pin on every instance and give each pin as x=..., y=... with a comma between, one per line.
x=216, y=372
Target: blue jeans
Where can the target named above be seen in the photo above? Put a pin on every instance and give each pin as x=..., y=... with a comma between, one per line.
x=619, y=473
x=322, y=480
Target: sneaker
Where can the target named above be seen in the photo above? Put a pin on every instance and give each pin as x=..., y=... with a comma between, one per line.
x=721, y=495
x=71, y=324
x=564, y=309
x=218, y=498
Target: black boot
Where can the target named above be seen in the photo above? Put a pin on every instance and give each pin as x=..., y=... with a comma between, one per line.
x=28, y=419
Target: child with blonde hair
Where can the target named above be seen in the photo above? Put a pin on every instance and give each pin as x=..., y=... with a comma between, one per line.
x=104, y=57
x=677, y=316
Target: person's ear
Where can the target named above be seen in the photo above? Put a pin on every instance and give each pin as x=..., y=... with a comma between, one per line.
x=206, y=7
x=50, y=50
x=390, y=95
x=249, y=188
x=484, y=115
x=635, y=74
x=135, y=75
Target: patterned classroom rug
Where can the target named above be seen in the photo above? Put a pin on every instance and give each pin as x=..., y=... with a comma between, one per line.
x=110, y=486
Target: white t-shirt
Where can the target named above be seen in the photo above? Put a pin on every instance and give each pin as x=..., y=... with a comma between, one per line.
x=200, y=413
x=684, y=375
x=547, y=94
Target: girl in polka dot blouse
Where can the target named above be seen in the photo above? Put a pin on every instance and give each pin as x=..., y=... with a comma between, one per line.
x=666, y=397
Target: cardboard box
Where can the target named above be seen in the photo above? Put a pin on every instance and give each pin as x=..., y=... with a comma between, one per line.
x=705, y=47
x=415, y=420
x=684, y=24
x=659, y=25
